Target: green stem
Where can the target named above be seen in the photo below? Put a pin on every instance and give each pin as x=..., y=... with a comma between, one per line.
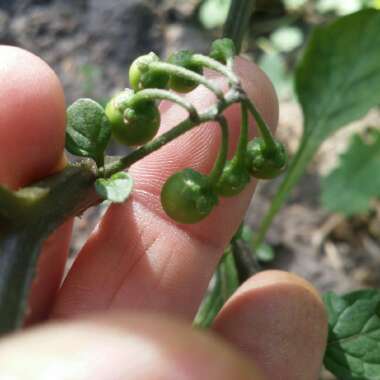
x=294, y=172
x=265, y=131
x=238, y=20
x=156, y=94
x=187, y=74
x=220, y=162
x=183, y=127
x=216, y=66
x=243, y=140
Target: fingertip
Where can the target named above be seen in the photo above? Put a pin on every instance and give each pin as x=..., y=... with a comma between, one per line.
x=278, y=319
x=32, y=117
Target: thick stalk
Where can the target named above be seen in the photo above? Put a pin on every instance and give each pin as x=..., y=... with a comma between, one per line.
x=238, y=20
x=66, y=194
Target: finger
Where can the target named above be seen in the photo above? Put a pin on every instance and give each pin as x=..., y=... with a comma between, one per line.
x=279, y=320
x=32, y=125
x=119, y=347
x=140, y=259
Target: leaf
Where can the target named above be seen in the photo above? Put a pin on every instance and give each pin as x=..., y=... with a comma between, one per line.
x=353, y=347
x=351, y=187
x=88, y=130
x=337, y=82
x=116, y=189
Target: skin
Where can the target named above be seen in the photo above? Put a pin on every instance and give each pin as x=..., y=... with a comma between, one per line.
x=125, y=309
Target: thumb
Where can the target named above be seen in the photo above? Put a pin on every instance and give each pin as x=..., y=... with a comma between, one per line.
x=32, y=136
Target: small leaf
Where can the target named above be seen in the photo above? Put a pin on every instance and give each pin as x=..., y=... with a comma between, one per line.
x=88, y=130
x=116, y=189
x=350, y=188
x=353, y=347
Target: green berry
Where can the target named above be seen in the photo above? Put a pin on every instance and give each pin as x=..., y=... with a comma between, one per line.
x=233, y=180
x=142, y=76
x=264, y=163
x=184, y=59
x=187, y=197
x=132, y=124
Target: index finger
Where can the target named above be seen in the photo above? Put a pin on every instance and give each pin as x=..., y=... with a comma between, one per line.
x=138, y=258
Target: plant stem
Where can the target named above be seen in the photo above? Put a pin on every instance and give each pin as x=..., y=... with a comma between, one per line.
x=237, y=21
x=183, y=127
x=66, y=195
x=295, y=170
x=265, y=131
x=186, y=74
x=216, y=66
x=156, y=94
x=220, y=162
x=243, y=139
x=246, y=264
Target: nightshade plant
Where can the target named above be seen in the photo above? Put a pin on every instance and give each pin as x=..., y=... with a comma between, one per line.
x=131, y=117
x=337, y=81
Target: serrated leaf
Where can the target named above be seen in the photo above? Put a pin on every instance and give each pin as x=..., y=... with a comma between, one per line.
x=353, y=347
x=350, y=188
x=88, y=130
x=116, y=189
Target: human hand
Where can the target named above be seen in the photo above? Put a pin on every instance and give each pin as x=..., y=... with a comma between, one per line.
x=125, y=308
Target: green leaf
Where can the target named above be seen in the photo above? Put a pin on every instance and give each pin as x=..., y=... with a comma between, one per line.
x=351, y=187
x=88, y=130
x=353, y=347
x=116, y=189
x=337, y=82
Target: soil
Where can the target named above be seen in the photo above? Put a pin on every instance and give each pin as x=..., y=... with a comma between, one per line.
x=90, y=44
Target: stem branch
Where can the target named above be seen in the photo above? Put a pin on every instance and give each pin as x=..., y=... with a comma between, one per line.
x=220, y=162
x=187, y=74
x=237, y=21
